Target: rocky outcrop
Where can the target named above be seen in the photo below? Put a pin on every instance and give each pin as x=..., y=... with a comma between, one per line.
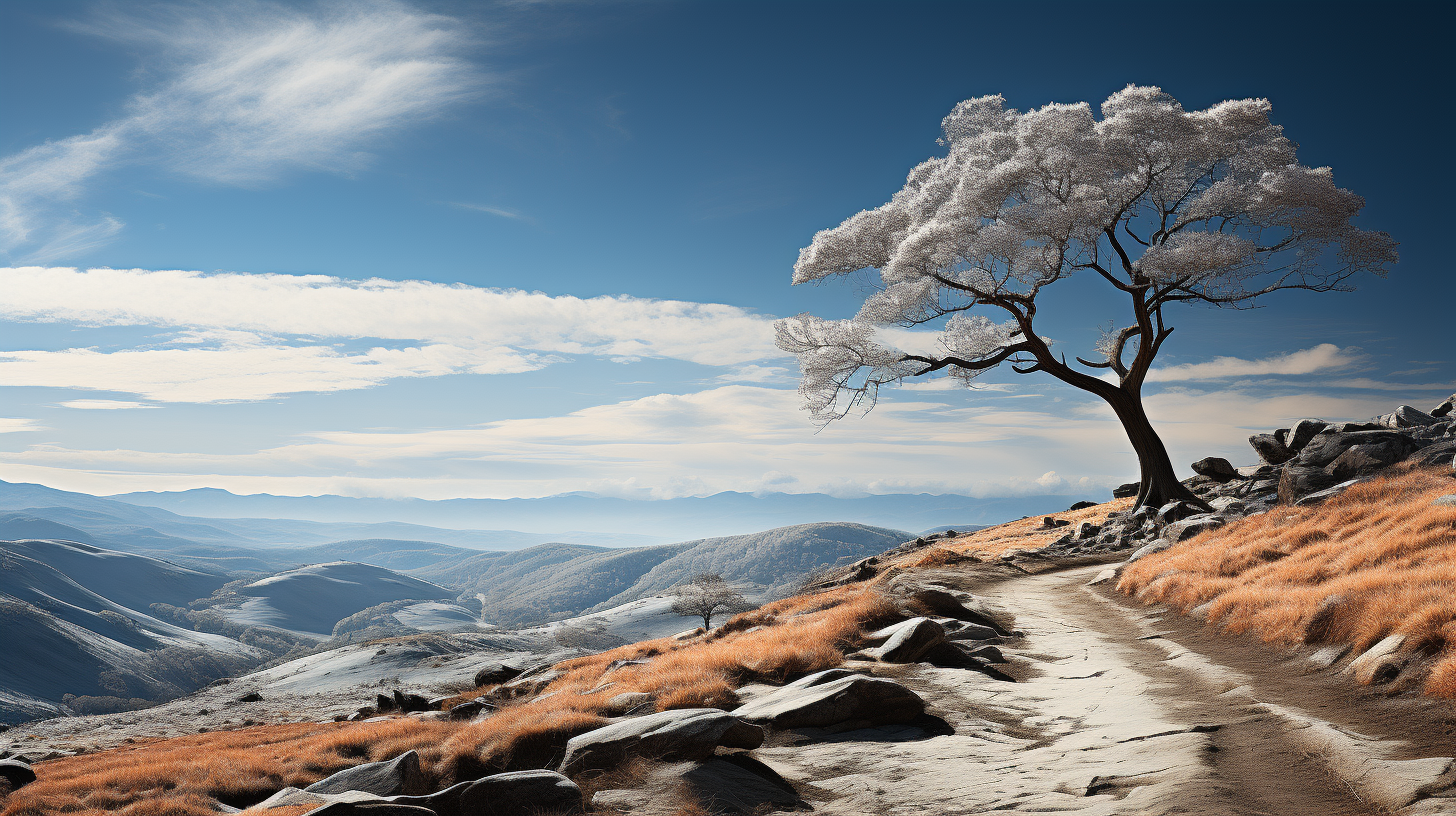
x=907, y=641
x=16, y=773
x=840, y=704
x=400, y=775
x=682, y=734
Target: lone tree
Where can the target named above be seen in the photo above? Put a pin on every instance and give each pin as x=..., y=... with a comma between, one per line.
x=708, y=595
x=1164, y=205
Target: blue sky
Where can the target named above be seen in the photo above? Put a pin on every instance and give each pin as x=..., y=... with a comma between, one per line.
x=469, y=249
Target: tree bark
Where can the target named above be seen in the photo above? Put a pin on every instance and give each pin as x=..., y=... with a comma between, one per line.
x=1158, y=483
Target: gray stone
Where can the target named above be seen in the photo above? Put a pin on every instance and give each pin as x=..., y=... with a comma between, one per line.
x=1297, y=482
x=396, y=776
x=1227, y=504
x=627, y=702
x=1220, y=470
x=1445, y=408
x=1124, y=491
x=1365, y=460
x=1303, y=431
x=1406, y=417
x=907, y=642
x=690, y=733
x=740, y=784
x=1270, y=449
x=16, y=772
x=1440, y=454
x=469, y=710
x=1327, y=446
x=1192, y=526
x=1376, y=663
x=521, y=793
x=1445, y=501
x=495, y=673
x=850, y=702
x=1087, y=530
x=1328, y=493
x=1156, y=546
x=1257, y=471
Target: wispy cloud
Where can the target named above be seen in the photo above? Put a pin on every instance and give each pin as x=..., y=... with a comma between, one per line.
x=499, y=211
x=1324, y=357
x=103, y=404
x=247, y=93
x=250, y=337
x=16, y=424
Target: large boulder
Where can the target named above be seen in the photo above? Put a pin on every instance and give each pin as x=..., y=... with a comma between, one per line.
x=740, y=784
x=1406, y=417
x=495, y=673
x=681, y=734
x=1124, y=491
x=396, y=776
x=1445, y=408
x=521, y=793
x=1215, y=468
x=1270, y=449
x=849, y=702
x=16, y=772
x=1297, y=482
x=1327, y=445
x=1364, y=460
x=1303, y=431
x=1441, y=454
x=1193, y=525
x=908, y=641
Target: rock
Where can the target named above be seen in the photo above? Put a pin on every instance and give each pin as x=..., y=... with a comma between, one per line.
x=1174, y=511
x=1445, y=501
x=371, y=809
x=1406, y=417
x=1227, y=504
x=470, y=709
x=1051, y=523
x=680, y=734
x=971, y=631
x=383, y=703
x=740, y=784
x=251, y=697
x=1445, y=408
x=1365, y=460
x=1220, y=470
x=410, y=702
x=628, y=702
x=1192, y=526
x=1328, y=493
x=1375, y=664
x=1156, y=546
x=521, y=793
x=1087, y=531
x=527, y=684
x=396, y=776
x=1081, y=505
x=1297, y=482
x=495, y=673
x=907, y=642
x=1125, y=491
x=689, y=634
x=1303, y=431
x=16, y=772
x=1257, y=471
x=849, y=702
x=1440, y=454
x=1270, y=449
x=1327, y=445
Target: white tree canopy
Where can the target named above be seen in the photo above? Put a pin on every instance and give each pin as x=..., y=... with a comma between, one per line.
x=1167, y=205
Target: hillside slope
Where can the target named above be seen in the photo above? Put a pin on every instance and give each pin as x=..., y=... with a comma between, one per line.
x=308, y=601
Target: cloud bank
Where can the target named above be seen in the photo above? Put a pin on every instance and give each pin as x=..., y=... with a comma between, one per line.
x=252, y=337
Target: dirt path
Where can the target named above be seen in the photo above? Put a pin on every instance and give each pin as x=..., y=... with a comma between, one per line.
x=1115, y=715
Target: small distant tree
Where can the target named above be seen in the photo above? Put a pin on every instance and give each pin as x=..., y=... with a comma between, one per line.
x=1165, y=206
x=707, y=595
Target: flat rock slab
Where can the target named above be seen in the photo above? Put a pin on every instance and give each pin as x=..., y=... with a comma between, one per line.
x=522, y=793
x=690, y=733
x=396, y=776
x=849, y=702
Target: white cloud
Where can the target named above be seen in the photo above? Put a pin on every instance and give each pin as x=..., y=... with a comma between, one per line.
x=17, y=424
x=240, y=327
x=734, y=437
x=500, y=211
x=1324, y=357
x=250, y=91
x=103, y=404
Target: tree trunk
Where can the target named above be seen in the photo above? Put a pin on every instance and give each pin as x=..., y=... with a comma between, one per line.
x=707, y=623
x=1158, y=483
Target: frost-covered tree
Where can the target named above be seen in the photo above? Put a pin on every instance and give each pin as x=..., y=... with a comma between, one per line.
x=706, y=596
x=1164, y=205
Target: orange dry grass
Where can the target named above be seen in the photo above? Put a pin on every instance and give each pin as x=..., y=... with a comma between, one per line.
x=1378, y=560
x=1023, y=534
x=180, y=777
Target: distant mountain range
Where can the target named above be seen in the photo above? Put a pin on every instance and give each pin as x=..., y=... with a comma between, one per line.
x=666, y=519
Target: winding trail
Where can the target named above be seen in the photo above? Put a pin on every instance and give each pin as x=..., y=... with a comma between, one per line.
x=1116, y=715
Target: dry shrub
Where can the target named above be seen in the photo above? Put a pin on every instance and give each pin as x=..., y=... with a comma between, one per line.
x=1023, y=534
x=1441, y=682
x=1379, y=559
